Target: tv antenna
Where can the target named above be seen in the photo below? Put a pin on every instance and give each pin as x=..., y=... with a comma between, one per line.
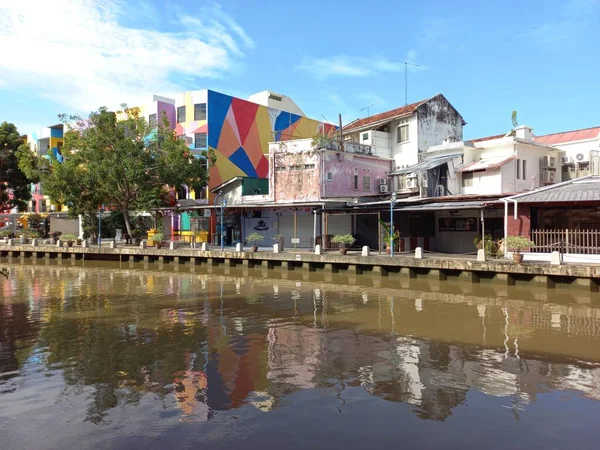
x=368, y=109
x=406, y=64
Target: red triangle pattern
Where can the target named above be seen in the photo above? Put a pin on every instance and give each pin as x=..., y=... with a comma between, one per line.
x=245, y=113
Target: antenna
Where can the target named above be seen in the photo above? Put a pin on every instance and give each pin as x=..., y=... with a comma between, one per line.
x=368, y=108
x=406, y=64
x=325, y=119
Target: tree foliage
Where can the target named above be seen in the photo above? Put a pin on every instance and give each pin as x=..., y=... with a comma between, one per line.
x=14, y=184
x=117, y=160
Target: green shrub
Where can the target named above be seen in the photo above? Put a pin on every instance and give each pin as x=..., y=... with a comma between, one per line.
x=254, y=238
x=68, y=237
x=518, y=243
x=157, y=237
x=343, y=239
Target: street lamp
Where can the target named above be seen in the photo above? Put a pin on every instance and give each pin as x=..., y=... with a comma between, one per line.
x=392, y=203
x=223, y=205
x=100, y=226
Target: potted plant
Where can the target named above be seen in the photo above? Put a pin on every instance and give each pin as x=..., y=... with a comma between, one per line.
x=69, y=239
x=253, y=239
x=54, y=235
x=490, y=246
x=138, y=235
x=6, y=234
x=388, y=241
x=517, y=244
x=344, y=241
x=157, y=239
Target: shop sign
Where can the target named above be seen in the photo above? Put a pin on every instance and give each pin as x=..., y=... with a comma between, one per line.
x=458, y=224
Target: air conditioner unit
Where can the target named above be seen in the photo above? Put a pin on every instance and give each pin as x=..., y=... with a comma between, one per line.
x=580, y=157
x=383, y=188
x=565, y=160
x=547, y=177
x=411, y=183
x=548, y=162
x=383, y=182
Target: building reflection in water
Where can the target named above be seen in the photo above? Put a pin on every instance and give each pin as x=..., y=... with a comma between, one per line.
x=207, y=343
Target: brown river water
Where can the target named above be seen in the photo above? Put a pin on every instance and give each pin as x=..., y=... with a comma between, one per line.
x=104, y=356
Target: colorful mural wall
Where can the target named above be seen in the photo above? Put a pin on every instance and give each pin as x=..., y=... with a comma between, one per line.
x=239, y=132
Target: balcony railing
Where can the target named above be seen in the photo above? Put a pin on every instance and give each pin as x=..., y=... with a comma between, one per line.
x=349, y=146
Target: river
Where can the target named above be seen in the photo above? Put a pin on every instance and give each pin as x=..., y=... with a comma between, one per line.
x=104, y=356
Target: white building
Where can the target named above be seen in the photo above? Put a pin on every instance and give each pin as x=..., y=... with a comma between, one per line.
x=495, y=165
x=581, y=151
x=276, y=101
x=404, y=133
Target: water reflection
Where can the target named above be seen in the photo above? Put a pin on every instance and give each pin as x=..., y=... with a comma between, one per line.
x=194, y=344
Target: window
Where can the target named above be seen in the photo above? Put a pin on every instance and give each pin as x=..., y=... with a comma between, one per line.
x=524, y=170
x=366, y=183
x=200, y=111
x=355, y=181
x=295, y=167
x=518, y=169
x=309, y=166
x=365, y=136
x=275, y=97
x=329, y=176
x=180, y=114
x=402, y=132
x=152, y=120
x=279, y=168
x=200, y=140
x=467, y=179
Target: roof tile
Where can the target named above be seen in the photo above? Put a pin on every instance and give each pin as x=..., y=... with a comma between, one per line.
x=569, y=136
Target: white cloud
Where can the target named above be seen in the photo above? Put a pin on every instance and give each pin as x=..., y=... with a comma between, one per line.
x=349, y=66
x=573, y=18
x=355, y=66
x=80, y=53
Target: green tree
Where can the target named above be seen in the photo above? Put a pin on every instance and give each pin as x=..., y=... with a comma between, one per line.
x=117, y=160
x=14, y=184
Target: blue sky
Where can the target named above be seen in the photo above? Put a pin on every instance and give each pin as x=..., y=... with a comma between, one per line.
x=331, y=56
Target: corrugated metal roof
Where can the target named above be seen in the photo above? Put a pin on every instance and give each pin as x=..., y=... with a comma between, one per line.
x=486, y=164
x=426, y=165
x=584, y=190
x=447, y=206
x=569, y=136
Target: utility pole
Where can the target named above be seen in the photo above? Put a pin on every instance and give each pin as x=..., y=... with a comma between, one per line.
x=341, y=134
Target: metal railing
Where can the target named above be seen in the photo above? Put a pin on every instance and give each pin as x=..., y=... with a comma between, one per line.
x=585, y=242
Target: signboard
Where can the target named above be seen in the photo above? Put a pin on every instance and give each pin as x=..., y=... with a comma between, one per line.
x=295, y=240
x=458, y=224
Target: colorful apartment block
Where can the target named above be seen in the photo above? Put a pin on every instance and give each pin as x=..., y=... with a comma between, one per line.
x=236, y=130
x=48, y=141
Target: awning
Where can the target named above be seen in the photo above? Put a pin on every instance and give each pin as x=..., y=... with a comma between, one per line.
x=486, y=164
x=426, y=165
x=447, y=206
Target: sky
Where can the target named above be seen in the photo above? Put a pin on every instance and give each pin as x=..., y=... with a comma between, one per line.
x=540, y=58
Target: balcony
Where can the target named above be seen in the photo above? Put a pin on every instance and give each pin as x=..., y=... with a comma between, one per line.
x=349, y=146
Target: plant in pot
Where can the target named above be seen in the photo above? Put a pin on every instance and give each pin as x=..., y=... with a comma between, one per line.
x=387, y=238
x=54, y=235
x=138, y=235
x=69, y=239
x=490, y=246
x=344, y=241
x=253, y=239
x=157, y=239
x=517, y=244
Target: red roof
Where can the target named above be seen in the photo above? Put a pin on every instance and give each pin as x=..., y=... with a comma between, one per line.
x=398, y=112
x=487, y=138
x=569, y=136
